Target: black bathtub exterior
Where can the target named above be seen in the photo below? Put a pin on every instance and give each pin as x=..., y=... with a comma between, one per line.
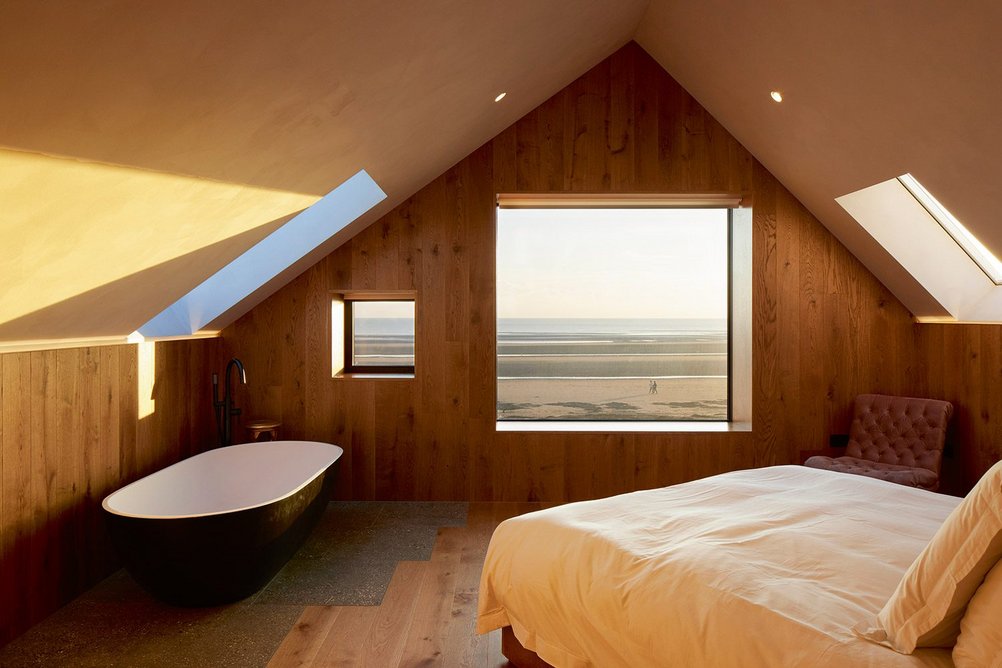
x=218, y=559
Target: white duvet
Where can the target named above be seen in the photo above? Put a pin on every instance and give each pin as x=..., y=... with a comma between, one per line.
x=765, y=567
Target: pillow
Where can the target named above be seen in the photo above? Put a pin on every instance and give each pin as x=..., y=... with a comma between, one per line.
x=980, y=642
x=926, y=607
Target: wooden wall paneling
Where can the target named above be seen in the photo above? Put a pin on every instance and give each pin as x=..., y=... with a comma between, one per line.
x=292, y=324
x=9, y=514
x=588, y=99
x=44, y=436
x=198, y=381
x=359, y=418
x=442, y=386
x=600, y=465
x=856, y=337
x=265, y=365
x=527, y=159
x=619, y=127
x=72, y=434
x=161, y=446
x=481, y=368
x=408, y=268
x=928, y=368
x=672, y=458
x=504, y=160
x=454, y=481
x=554, y=141
x=375, y=257
x=128, y=405
x=672, y=159
x=788, y=328
x=317, y=387
x=967, y=344
x=458, y=214
x=394, y=441
x=765, y=304
x=985, y=381
x=812, y=434
x=87, y=455
x=844, y=330
x=953, y=350
x=103, y=458
x=646, y=126
x=16, y=510
x=156, y=446
x=187, y=381
x=442, y=461
x=544, y=465
x=340, y=435
x=147, y=425
x=74, y=371
x=624, y=126
x=696, y=140
x=646, y=456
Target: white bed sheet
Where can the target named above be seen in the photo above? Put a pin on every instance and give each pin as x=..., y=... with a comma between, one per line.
x=764, y=567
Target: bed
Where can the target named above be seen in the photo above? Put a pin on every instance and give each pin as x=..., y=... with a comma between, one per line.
x=764, y=567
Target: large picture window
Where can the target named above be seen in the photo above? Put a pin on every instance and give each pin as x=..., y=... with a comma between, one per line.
x=613, y=314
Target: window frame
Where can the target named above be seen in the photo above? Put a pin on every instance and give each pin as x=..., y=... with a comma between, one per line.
x=738, y=218
x=345, y=331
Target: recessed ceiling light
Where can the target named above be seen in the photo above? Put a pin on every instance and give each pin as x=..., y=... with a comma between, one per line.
x=500, y=97
x=776, y=95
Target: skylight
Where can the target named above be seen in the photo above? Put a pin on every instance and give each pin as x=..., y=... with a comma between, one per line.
x=268, y=258
x=983, y=257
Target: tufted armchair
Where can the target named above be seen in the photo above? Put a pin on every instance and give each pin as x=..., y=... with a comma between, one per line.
x=899, y=439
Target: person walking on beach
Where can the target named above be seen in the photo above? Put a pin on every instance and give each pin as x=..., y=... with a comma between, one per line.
x=653, y=388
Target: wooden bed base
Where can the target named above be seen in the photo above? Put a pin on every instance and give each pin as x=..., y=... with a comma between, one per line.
x=518, y=655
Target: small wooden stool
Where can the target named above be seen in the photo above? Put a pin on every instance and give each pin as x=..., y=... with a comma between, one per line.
x=263, y=430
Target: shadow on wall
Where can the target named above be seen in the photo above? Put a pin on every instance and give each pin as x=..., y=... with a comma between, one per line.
x=112, y=309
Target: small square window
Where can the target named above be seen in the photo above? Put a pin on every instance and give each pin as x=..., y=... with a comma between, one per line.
x=377, y=335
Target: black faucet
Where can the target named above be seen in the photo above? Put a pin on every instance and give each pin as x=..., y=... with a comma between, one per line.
x=225, y=410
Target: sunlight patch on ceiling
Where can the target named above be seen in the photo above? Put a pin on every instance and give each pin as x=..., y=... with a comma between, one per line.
x=267, y=258
x=899, y=215
x=70, y=227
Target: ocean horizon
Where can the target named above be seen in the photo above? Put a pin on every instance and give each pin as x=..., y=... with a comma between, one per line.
x=620, y=326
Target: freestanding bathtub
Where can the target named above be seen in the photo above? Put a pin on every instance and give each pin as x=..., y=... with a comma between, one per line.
x=218, y=526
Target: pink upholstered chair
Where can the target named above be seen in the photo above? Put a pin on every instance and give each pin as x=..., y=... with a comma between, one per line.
x=899, y=439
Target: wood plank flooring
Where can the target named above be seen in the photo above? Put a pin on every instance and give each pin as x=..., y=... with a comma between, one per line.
x=427, y=616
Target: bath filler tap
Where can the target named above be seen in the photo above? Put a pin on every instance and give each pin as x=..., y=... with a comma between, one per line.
x=225, y=410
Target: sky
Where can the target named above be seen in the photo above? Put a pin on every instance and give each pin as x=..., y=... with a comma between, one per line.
x=377, y=309
x=612, y=263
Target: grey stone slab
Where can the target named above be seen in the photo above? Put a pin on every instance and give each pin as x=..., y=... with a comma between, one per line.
x=350, y=558
x=435, y=513
x=245, y=637
x=91, y=632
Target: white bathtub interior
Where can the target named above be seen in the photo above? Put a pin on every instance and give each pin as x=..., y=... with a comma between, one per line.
x=225, y=480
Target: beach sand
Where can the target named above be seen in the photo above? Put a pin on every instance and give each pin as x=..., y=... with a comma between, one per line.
x=612, y=399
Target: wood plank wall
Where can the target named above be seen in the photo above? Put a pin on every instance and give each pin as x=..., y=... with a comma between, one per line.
x=963, y=364
x=823, y=328
x=71, y=433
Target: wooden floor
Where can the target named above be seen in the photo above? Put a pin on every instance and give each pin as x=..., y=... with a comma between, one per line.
x=427, y=616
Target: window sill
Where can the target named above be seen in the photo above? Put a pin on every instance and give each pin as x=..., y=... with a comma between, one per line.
x=374, y=376
x=584, y=426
